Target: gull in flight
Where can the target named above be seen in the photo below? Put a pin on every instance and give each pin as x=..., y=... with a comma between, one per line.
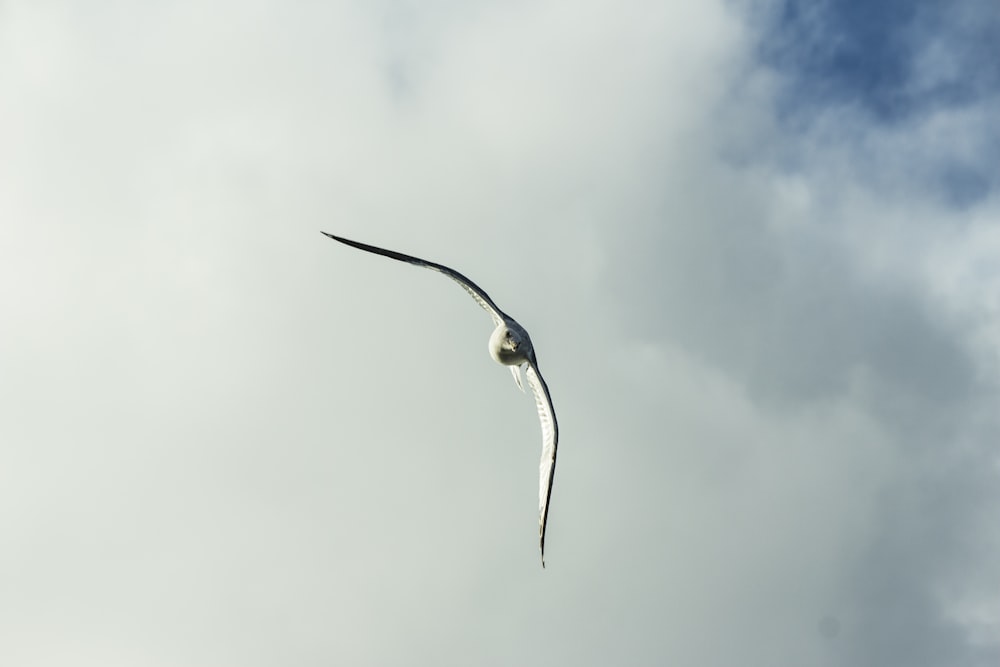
x=511, y=346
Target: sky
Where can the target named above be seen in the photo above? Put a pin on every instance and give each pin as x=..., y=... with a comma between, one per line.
x=755, y=243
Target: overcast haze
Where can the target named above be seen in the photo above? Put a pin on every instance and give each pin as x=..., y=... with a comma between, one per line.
x=756, y=245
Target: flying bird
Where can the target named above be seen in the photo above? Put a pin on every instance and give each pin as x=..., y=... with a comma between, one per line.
x=511, y=346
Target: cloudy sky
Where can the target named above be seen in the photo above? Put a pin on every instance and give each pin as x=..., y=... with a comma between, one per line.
x=757, y=246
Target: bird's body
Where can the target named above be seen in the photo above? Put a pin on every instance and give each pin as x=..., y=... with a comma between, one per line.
x=509, y=345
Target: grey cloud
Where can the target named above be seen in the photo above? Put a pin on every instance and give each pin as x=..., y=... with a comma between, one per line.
x=796, y=314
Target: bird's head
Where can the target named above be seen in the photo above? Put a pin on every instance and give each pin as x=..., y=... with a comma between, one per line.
x=508, y=346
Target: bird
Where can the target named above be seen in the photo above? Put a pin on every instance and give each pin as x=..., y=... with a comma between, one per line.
x=509, y=345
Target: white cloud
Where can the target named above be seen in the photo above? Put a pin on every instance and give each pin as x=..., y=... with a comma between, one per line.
x=229, y=441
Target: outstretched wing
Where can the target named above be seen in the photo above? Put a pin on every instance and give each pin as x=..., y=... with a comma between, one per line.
x=550, y=441
x=474, y=290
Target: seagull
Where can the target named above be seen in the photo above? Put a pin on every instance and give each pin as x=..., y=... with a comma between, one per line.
x=510, y=346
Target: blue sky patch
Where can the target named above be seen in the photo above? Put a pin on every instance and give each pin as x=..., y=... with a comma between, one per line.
x=891, y=58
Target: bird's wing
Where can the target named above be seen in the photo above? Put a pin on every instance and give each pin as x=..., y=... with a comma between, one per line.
x=477, y=293
x=550, y=441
